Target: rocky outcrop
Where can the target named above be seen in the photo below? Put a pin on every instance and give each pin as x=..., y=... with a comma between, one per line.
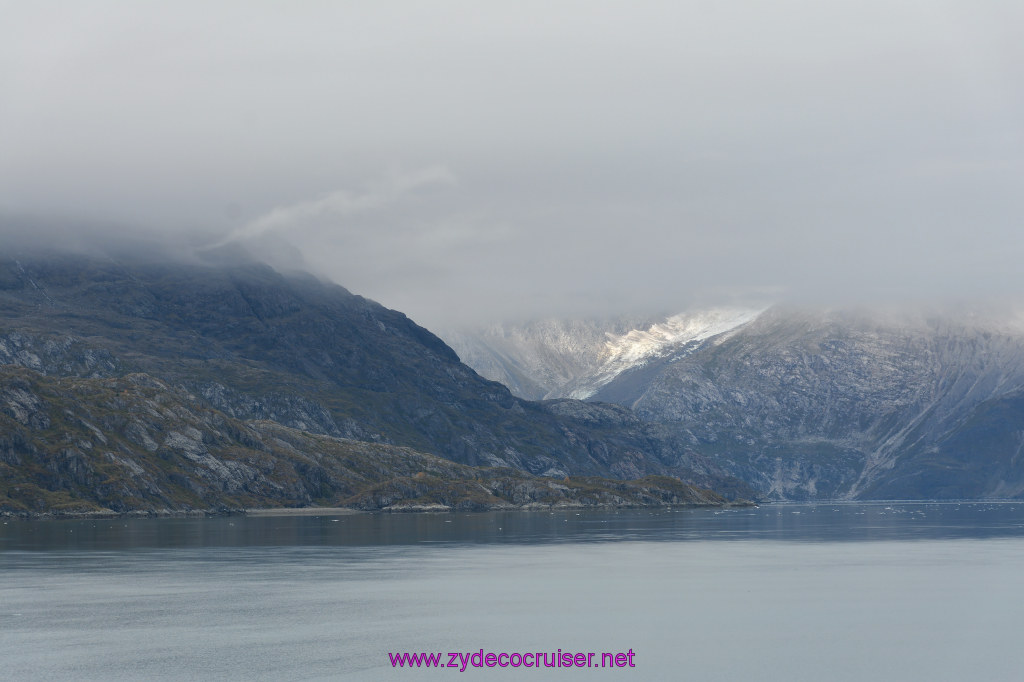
x=135, y=444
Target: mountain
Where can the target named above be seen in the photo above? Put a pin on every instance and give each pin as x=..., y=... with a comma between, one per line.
x=539, y=360
x=136, y=444
x=241, y=345
x=826, y=404
x=553, y=358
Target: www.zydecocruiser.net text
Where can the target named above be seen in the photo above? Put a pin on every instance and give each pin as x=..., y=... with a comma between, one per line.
x=462, y=660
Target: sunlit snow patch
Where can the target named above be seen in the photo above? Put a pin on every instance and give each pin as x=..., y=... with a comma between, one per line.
x=638, y=347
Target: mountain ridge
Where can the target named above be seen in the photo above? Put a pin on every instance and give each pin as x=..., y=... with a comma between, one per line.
x=255, y=345
x=805, y=403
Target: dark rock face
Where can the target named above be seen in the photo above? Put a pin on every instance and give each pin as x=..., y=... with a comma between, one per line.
x=248, y=345
x=808, y=405
x=980, y=456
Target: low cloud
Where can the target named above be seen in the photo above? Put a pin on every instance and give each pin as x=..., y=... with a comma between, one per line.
x=342, y=203
x=572, y=157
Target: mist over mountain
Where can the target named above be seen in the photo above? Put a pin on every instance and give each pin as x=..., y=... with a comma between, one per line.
x=812, y=403
x=778, y=402
x=573, y=358
x=539, y=360
x=223, y=333
x=681, y=150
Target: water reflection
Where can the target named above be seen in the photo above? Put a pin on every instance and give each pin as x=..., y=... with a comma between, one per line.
x=809, y=523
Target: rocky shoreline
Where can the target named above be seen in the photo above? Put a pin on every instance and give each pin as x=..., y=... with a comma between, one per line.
x=413, y=508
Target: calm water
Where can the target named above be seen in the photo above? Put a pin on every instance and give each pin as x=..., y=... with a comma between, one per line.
x=829, y=592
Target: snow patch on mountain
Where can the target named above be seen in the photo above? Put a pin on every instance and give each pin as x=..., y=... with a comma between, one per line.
x=537, y=359
x=551, y=358
x=637, y=347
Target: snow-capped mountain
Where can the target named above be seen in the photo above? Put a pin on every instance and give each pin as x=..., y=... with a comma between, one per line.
x=554, y=358
x=538, y=359
x=677, y=336
x=805, y=404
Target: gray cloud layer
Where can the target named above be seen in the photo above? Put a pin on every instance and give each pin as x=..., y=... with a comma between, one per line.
x=465, y=160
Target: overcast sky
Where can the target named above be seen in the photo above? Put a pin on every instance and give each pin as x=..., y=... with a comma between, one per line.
x=478, y=160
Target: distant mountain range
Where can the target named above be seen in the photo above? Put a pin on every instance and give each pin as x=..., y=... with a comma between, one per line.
x=153, y=383
x=799, y=403
x=148, y=383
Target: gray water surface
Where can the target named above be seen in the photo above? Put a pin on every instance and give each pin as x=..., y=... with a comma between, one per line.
x=889, y=591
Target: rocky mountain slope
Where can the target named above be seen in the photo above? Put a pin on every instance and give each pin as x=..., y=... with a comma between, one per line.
x=242, y=341
x=844, y=404
x=134, y=443
x=553, y=358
